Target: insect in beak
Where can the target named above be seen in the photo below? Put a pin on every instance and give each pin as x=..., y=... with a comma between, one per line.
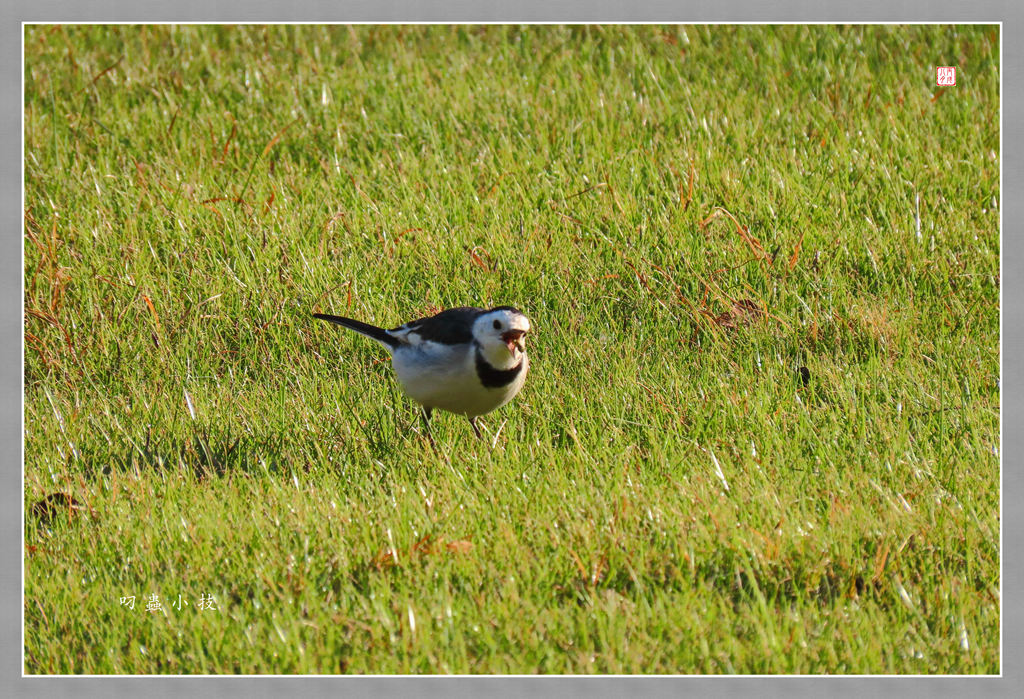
x=514, y=339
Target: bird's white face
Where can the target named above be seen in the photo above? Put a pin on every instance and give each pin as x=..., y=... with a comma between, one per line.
x=502, y=336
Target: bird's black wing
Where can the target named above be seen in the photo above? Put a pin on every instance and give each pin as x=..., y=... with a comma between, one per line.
x=451, y=327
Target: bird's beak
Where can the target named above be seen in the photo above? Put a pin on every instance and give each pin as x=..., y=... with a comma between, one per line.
x=515, y=339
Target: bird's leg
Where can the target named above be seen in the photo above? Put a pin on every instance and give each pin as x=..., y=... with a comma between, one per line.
x=425, y=414
x=476, y=429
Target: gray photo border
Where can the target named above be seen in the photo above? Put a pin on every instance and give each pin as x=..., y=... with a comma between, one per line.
x=12, y=14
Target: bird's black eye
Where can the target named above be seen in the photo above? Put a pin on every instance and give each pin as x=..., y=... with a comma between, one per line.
x=497, y=325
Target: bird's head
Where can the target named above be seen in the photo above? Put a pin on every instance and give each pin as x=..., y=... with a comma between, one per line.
x=501, y=333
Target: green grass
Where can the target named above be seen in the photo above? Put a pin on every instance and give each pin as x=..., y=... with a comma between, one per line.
x=667, y=495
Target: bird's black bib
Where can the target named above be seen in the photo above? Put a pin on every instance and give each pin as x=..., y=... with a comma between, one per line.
x=495, y=378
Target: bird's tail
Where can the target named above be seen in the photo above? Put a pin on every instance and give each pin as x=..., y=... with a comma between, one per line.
x=371, y=331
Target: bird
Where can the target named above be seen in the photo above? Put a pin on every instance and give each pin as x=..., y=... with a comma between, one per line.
x=468, y=361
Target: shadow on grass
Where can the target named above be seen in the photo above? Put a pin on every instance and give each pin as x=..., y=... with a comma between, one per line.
x=740, y=586
x=215, y=451
x=778, y=586
x=205, y=454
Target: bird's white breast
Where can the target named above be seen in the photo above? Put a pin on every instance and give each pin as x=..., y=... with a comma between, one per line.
x=445, y=377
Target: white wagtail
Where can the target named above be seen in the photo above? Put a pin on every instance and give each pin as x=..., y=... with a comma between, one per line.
x=468, y=361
